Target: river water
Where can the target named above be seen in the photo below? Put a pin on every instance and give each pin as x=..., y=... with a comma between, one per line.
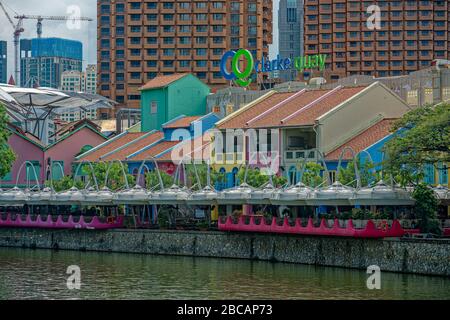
x=41, y=274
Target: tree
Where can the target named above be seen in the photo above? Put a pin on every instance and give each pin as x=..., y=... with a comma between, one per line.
x=422, y=137
x=312, y=174
x=426, y=209
x=7, y=156
x=347, y=175
x=152, y=179
x=116, y=180
x=202, y=171
x=256, y=179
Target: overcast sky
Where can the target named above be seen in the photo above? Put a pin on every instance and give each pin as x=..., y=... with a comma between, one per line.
x=87, y=33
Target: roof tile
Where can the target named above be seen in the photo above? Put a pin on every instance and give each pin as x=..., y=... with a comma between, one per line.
x=134, y=146
x=154, y=151
x=163, y=81
x=364, y=140
x=112, y=145
x=306, y=117
x=182, y=122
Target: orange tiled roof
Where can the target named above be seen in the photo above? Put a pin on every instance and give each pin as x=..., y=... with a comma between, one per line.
x=306, y=117
x=309, y=116
x=162, y=81
x=364, y=140
x=112, y=145
x=154, y=151
x=182, y=122
x=241, y=119
x=136, y=145
x=197, y=148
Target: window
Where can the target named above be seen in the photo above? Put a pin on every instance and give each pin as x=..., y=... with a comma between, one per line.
x=154, y=107
x=34, y=166
x=57, y=170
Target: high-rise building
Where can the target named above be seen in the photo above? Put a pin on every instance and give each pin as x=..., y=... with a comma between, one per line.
x=407, y=36
x=3, y=61
x=73, y=81
x=290, y=33
x=91, y=79
x=44, y=60
x=76, y=81
x=138, y=40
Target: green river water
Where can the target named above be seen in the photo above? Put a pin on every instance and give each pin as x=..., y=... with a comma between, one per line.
x=41, y=274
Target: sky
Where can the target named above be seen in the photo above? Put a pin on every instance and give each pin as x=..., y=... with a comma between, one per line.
x=86, y=34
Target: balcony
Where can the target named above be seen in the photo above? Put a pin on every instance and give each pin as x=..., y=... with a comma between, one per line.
x=295, y=155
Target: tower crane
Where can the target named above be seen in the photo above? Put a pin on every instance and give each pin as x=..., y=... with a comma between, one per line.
x=18, y=29
x=53, y=18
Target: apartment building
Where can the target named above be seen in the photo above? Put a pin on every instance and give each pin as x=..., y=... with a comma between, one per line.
x=76, y=81
x=290, y=33
x=138, y=40
x=409, y=36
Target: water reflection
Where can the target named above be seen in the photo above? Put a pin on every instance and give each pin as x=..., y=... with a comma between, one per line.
x=27, y=274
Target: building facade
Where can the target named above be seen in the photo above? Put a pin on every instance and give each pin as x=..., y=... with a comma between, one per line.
x=166, y=97
x=76, y=81
x=407, y=36
x=73, y=81
x=290, y=33
x=44, y=60
x=91, y=79
x=61, y=154
x=3, y=61
x=281, y=129
x=139, y=40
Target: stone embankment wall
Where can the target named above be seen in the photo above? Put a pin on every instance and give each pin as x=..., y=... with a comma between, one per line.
x=431, y=257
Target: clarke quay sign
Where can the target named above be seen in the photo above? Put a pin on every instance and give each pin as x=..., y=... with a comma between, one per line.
x=243, y=77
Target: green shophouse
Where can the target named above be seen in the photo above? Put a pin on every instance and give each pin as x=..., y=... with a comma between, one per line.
x=167, y=97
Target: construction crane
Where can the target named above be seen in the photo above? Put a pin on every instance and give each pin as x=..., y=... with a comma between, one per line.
x=54, y=18
x=18, y=29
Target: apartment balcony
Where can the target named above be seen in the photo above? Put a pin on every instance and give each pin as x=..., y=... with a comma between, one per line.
x=131, y=22
x=167, y=57
x=168, y=69
x=133, y=45
x=367, y=58
x=367, y=68
x=411, y=17
x=354, y=58
x=428, y=56
x=426, y=47
x=381, y=67
x=429, y=27
x=167, y=34
x=381, y=57
x=356, y=47
x=441, y=28
x=411, y=67
x=295, y=155
x=411, y=57
x=183, y=45
x=167, y=45
x=397, y=57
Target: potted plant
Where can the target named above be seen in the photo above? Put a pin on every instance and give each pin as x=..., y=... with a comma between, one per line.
x=203, y=225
